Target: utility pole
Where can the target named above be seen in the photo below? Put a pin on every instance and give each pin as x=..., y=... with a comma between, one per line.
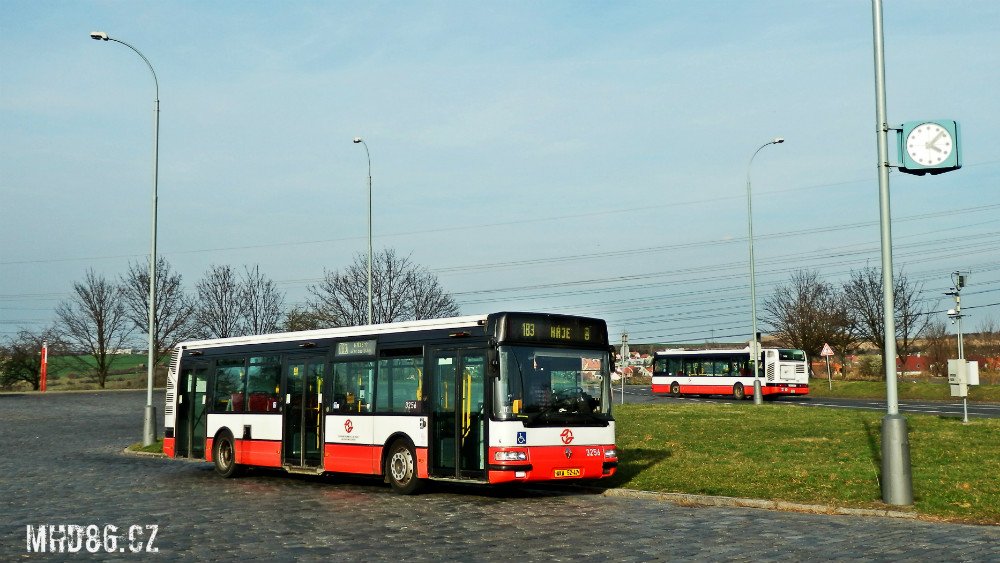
x=625, y=354
x=958, y=279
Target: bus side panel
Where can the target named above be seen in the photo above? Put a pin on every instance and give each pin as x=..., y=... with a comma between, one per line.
x=349, y=446
x=711, y=389
x=217, y=421
x=263, y=447
x=413, y=427
x=661, y=384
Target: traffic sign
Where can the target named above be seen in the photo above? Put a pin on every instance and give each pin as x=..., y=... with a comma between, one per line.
x=827, y=351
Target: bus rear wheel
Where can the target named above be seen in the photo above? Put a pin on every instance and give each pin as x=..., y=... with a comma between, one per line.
x=224, y=456
x=738, y=393
x=675, y=389
x=401, y=468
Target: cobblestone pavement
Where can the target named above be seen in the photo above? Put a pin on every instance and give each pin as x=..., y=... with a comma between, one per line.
x=61, y=463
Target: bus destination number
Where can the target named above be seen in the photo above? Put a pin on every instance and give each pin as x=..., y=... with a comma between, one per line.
x=566, y=473
x=560, y=333
x=555, y=332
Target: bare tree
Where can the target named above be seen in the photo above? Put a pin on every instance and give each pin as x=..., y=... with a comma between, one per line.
x=301, y=318
x=21, y=359
x=428, y=299
x=863, y=292
x=172, y=322
x=220, y=310
x=985, y=342
x=262, y=303
x=808, y=313
x=94, y=322
x=937, y=347
x=401, y=291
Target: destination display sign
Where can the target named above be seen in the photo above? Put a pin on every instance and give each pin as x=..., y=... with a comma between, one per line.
x=554, y=329
x=356, y=348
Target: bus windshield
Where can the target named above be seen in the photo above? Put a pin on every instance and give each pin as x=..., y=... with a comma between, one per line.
x=552, y=385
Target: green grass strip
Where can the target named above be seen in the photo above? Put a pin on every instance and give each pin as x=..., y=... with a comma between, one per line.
x=806, y=455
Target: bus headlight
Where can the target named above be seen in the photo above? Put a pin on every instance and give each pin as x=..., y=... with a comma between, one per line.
x=611, y=453
x=511, y=455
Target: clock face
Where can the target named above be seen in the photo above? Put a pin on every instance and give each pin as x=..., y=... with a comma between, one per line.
x=929, y=144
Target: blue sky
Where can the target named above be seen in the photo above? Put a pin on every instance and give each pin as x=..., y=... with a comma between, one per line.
x=576, y=157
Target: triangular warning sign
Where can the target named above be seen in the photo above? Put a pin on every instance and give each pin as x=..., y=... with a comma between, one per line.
x=827, y=351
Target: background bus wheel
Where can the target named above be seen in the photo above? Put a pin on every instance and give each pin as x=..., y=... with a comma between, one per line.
x=224, y=456
x=738, y=392
x=675, y=389
x=401, y=468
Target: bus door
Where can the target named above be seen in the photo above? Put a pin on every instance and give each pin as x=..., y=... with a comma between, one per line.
x=302, y=418
x=189, y=417
x=458, y=416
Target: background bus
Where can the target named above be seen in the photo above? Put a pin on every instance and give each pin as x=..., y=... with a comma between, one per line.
x=504, y=397
x=728, y=372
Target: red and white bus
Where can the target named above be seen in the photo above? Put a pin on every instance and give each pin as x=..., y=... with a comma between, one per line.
x=505, y=397
x=728, y=372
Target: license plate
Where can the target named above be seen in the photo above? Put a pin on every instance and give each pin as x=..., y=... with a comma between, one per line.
x=567, y=473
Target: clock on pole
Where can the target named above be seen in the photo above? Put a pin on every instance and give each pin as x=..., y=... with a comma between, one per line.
x=929, y=147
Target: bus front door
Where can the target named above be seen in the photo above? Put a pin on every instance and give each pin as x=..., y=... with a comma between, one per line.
x=189, y=418
x=302, y=424
x=457, y=441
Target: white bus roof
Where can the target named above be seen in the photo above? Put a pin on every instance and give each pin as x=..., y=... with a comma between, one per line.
x=341, y=332
x=745, y=350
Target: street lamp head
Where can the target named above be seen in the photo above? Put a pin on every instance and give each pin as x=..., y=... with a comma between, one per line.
x=358, y=140
x=778, y=140
x=99, y=36
x=951, y=312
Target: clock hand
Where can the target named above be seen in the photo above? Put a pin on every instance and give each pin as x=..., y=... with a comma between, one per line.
x=932, y=144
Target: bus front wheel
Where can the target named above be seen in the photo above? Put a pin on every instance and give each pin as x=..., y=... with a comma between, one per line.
x=401, y=468
x=675, y=389
x=738, y=393
x=224, y=456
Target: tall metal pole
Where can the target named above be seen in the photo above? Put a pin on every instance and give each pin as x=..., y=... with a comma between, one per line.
x=149, y=417
x=367, y=154
x=897, y=487
x=754, y=349
x=959, y=280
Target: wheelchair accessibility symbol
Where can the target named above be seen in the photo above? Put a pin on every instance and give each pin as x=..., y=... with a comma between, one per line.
x=522, y=438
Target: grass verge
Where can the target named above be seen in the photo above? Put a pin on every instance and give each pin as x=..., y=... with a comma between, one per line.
x=154, y=448
x=810, y=456
x=908, y=390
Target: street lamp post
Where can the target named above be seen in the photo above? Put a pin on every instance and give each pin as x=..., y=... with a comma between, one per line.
x=149, y=417
x=897, y=483
x=367, y=154
x=754, y=349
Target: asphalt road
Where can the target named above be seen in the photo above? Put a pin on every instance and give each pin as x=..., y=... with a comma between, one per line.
x=62, y=465
x=644, y=394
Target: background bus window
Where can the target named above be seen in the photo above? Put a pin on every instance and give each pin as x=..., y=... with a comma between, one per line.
x=399, y=385
x=263, y=381
x=352, y=385
x=230, y=385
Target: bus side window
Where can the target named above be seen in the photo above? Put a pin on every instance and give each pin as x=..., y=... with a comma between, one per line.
x=263, y=381
x=230, y=385
x=399, y=384
x=352, y=387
